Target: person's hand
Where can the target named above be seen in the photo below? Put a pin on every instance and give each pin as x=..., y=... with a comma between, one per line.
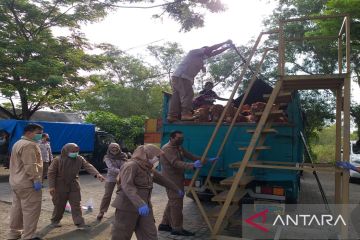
x=144, y=210
x=52, y=191
x=213, y=159
x=181, y=193
x=37, y=185
x=100, y=177
x=197, y=164
x=347, y=165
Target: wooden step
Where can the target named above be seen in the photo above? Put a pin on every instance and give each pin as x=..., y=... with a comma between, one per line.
x=316, y=81
x=283, y=97
x=265, y=130
x=256, y=148
x=214, y=212
x=238, y=164
x=245, y=180
x=221, y=197
x=273, y=113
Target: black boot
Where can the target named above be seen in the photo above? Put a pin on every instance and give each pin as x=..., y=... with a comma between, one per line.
x=165, y=228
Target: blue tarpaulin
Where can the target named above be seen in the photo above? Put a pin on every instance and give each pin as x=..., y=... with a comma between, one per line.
x=60, y=133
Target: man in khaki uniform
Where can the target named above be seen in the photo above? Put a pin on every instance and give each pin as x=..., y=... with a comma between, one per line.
x=46, y=153
x=63, y=176
x=183, y=79
x=173, y=167
x=133, y=197
x=25, y=181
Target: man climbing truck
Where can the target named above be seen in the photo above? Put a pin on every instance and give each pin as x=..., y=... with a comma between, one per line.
x=283, y=145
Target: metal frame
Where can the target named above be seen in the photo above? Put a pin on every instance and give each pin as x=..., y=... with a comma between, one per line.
x=258, y=138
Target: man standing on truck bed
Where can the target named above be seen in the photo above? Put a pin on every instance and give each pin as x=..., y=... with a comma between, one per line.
x=183, y=79
x=173, y=167
x=26, y=171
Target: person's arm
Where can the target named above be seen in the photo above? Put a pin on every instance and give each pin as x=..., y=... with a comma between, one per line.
x=214, y=52
x=164, y=181
x=111, y=167
x=52, y=174
x=189, y=155
x=91, y=169
x=173, y=160
x=29, y=156
x=127, y=175
x=50, y=153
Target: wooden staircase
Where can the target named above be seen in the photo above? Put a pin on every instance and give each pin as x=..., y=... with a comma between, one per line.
x=282, y=94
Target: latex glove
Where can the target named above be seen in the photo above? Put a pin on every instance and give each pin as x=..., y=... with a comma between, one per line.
x=197, y=164
x=181, y=193
x=144, y=210
x=37, y=185
x=213, y=159
x=347, y=165
x=52, y=191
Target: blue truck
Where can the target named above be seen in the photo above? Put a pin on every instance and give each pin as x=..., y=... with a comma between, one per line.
x=93, y=144
x=286, y=146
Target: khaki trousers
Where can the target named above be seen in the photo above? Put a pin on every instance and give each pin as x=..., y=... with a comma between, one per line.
x=105, y=202
x=182, y=97
x=60, y=199
x=24, y=213
x=125, y=223
x=173, y=215
x=45, y=169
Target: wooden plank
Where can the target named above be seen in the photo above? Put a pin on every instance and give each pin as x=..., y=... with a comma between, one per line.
x=265, y=130
x=202, y=210
x=299, y=19
x=338, y=142
x=258, y=148
x=314, y=77
x=221, y=197
x=245, y=180
x=214, y=212
x=247, y=156
x=283, y=97
x=301, y=39
x=296, y=168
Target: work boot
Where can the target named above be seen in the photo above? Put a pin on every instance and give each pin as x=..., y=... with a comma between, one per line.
x=172, y=119
x=165, y=228
x=100, y=216
x=182, y=232
x=55, y=224
x=82, y=226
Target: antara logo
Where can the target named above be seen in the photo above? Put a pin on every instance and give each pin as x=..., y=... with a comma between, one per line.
x=296, y=220
x=308, y=220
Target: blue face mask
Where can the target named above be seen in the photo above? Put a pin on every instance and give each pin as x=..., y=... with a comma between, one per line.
x=37, y=137
x=73, y=155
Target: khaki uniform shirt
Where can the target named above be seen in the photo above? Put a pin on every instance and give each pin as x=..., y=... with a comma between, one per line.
x=136, y=186
x=26, y=165
x=191, y=65
x=173, y=165
x=63, y=174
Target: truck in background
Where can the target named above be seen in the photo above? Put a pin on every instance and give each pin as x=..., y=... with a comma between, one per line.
x=93, y=144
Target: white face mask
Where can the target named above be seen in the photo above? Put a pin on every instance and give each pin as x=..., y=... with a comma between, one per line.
x=154, y=160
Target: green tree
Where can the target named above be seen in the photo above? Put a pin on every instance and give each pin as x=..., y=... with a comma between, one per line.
x=168, y=55
x=355, y=113
x=129, y=130
x=41, y=69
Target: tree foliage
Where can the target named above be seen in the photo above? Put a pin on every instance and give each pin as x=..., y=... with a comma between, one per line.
x=129, y=130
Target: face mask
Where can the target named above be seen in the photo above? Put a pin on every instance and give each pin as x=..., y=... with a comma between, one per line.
x=37, y=137
x=73, y=155
x=154, y=160
x=114, y=152
x=179, y=141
